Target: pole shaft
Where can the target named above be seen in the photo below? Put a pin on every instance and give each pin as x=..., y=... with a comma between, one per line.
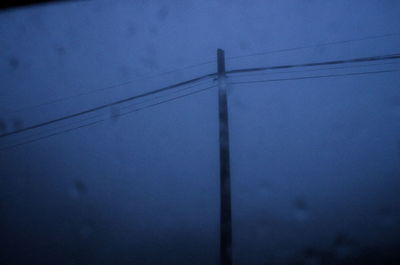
x=225, y=185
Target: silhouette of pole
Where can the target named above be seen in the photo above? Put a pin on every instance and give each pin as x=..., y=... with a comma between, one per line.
x=225, y=185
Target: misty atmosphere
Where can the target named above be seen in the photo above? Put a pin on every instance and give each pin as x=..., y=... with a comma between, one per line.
x=115, y=139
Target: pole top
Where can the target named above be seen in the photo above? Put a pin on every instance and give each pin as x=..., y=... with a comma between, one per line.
x=221, y=61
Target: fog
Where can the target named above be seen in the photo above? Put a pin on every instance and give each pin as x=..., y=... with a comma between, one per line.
x=314, y=151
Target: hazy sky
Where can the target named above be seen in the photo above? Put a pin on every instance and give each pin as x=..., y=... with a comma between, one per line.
x=312, y=160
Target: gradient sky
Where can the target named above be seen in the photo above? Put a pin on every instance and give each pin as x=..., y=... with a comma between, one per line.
x=312, y=160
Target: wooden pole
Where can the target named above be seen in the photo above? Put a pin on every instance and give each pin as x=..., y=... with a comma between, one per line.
x=225, y=185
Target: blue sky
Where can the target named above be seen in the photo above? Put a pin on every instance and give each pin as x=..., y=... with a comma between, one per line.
x=312, y=160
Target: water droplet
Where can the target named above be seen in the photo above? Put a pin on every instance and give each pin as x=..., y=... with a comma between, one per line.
x=78, y=189
x=150, y=62
x=300, y=203
x=18, y=124
x=13, y=62
x=131, y=30
x=153, y=29
x=301, y=211
x=265, y=184
x=244, y=45
x=114, y=113
x=80, y=186
x=60, y=50
x=163, y=13
x=342, y=245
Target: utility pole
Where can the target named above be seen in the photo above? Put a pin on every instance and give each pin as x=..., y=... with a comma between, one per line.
x=225, y=178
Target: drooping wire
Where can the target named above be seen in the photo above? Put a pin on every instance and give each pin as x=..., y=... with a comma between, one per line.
x=144, y=101
x=334, y=62
x=102, y=120
x=123, y=107
x=50, y=135
x=162, y=96
x=50, y=102
x=171, y=99
x=104, y=106
x=313, y=46
x=94, y=109
x=314, y=70
x=101, y=115
x=54, y=101
x=313, y=77
x=61, y=127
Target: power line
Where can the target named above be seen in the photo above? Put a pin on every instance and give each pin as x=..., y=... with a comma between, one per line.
x=108, y=105
x=101, y=120
x=102, y=115
x=173, y=92
x=196, y=65
x=51, y=135
x=314, y=46
x=171, y=99
x=312, y=77
x=314, y=70
x=50, y=102
x=63, y=126
x=192, y=66
x=354, y=60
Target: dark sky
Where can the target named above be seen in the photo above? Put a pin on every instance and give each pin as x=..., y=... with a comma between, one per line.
x=315, y=162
